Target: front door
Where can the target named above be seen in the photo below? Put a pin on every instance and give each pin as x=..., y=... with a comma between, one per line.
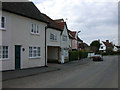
x=17, y=56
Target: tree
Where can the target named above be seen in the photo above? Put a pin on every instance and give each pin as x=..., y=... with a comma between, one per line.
x=95, y=45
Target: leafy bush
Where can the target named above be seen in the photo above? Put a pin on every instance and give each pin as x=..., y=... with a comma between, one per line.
x=73, y=55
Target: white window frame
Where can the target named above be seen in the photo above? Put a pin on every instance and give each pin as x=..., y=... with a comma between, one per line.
x=35, y=28
x=53, y=37
x=34, y=49
x=64, y=38
x=5, y=53
x=32, y=28
x=3, y=28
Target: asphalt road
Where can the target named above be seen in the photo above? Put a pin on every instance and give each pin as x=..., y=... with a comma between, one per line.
x=91, y=75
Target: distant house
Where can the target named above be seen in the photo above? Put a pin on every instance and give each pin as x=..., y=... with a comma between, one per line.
x=115, y=48
x=70, y=39
x=53, y=40
x=106, y=46
x=74, y=40
x=57, y=40
x=79, y=42
x=102, y=47
x=118, y=48
x=84, y=47
x=64, y=40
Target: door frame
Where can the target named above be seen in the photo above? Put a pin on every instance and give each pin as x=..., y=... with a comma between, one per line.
x=20, y=56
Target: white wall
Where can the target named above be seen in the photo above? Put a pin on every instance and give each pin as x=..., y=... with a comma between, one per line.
x=51, y=42
x=18, y=33
x=102, y=45
x=115, y=49
x=65, y=44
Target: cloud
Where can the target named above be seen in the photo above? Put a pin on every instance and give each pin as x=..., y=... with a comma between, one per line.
x=96, y=19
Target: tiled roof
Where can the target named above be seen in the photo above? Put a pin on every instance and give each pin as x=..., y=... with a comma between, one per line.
x=73, y=33
x=61, y=23
x=53, y=24
x=59, y=20
x=70, y=35
x=107, y=44
x=83, y=45
x=79, y=39
x=26, y=9
x=118, y=46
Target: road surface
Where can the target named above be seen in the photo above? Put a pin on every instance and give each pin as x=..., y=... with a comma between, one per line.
x=102, y=74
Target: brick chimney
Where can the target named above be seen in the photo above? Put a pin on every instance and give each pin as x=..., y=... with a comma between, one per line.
x=98, y=40
x=107, y=41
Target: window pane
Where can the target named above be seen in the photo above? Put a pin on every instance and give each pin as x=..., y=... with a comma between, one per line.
x=34, y=54
x=3, y=22
x=3, y=19
x=34, y=28
x=51, y=36
x=3, y=50
x=30, y=51
x=55, y=37
x=37, y=29
x=2, y=25
x=38, y=51
x=34, y=51
x=3, y=56
x=6, y=56
x=31, y=27
x=0, y=52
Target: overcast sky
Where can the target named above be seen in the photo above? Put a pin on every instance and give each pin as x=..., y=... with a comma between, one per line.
x=96, y=19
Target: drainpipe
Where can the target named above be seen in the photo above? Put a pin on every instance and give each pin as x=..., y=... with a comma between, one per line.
x=45, y=48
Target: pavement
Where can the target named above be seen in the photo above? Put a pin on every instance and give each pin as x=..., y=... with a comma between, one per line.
x=8, y=75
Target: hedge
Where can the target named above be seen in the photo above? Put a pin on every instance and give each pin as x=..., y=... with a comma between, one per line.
x=73, y=55
x=109, y=53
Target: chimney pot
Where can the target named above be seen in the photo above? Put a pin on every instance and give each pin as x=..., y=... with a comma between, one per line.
x=107, y=41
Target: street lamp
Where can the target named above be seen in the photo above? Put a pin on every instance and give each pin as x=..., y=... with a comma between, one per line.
x=77, y=43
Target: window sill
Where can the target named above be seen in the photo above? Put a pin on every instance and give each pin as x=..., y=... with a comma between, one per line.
x=53, y=40
x=35, y=34
x=34, y=57
x=3, y=29
x=4, y=59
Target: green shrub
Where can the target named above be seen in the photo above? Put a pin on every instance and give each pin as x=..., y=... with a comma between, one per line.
x=109, y=53
x=73, y=55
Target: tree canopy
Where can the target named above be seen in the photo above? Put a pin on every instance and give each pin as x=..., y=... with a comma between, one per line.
x=95, y=45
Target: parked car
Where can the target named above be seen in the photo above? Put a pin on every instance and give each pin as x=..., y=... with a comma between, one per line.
x=97, y=57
